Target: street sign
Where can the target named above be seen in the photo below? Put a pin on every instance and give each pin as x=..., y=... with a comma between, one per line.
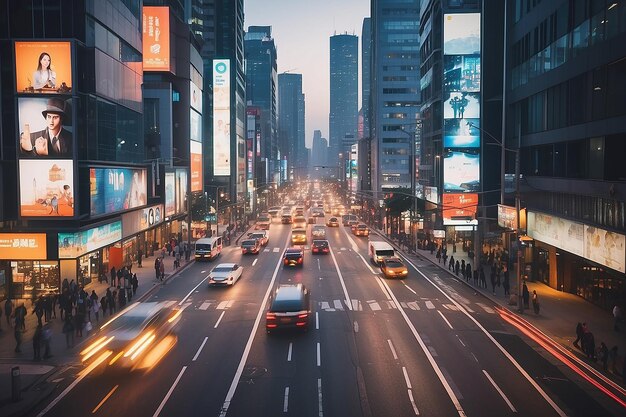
x=210, y=218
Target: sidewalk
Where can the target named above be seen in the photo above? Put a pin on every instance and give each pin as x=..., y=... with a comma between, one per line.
x=33, y=371
x=559, y=311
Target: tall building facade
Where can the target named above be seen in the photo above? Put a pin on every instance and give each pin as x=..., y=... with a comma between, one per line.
x=291, y=128
x=566, y=113
x=366, y=80
x=262, y=91
x=395, y=91
x=319, y=152
x=344, y=84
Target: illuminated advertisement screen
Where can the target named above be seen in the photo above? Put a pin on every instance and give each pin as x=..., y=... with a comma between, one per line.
x=142, y=219
x=461, y=105
x=73, y=245
x=195, y=94
x=45, y=127
x=430, y=194
x=195, y=125
x=461, y=73
x=459, y=209
x=221, y=117
x=46, y=188
x=606, y=248
x=181, y=190
x=461, y=34
x=461, y=171
x=26, y=246
x=117, y=189
x=461, y=133
x=196, y=166
x=507, y=217
x=170, y=193
x=43, y=67
x=156, y=38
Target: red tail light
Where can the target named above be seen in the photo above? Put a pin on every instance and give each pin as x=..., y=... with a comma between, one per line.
x=286, y=261
x=303, y=316
x=300, y=260
x=270, y=316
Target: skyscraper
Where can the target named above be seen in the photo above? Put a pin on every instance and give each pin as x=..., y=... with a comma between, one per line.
x=291, y=124
x=344, y=92
x=366, y=62
x=319, y=151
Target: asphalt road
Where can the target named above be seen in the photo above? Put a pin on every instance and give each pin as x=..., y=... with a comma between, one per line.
x=425, y=345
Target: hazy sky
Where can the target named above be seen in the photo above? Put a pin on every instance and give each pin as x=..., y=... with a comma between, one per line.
x=302, y=30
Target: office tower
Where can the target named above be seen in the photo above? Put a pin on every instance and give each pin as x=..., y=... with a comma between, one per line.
x=366, y=83
x=291, y=124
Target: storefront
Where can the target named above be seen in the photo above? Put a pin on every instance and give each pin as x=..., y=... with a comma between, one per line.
x=142, y=233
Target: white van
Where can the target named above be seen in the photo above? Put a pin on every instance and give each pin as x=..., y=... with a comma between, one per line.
x=380, y=250
x=208, y=248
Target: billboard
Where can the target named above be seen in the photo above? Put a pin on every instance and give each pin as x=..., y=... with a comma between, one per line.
x=140, y=220
x=117, y=189
x=195, y=94
x=606, y=248
x=43, y=67
x=221, y=117
x=461, y=73
x=507, y=217
x=430, y=194
x=195, y=126
x=170, y=193
x=461, y=171
x=197, y=182
x=461, y=133
x=26, y=246
x=45, y=127
x=461, y=105
x=459, y=209
x=156, y=38
x=461, y=34
x=46, y=188
x=181, y=190
x=73, y=245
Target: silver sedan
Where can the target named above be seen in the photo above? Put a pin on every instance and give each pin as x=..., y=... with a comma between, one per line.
x=225, y=274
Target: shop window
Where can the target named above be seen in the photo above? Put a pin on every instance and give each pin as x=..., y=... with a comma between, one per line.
x=596, y=158
x=32, y=279
x=576, y=159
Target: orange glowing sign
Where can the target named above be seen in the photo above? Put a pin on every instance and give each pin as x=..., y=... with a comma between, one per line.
x=156, y=38
x=43, y=67
x=196, y=166
x=459, y=209
x=26, y=246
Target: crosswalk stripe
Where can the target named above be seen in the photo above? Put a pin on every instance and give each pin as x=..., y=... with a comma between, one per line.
x=204, y=305
x=325, y=305
x=223, y=305
x=356, y=305
x=343, y=249
x=430, y=305
x=390, y=304
x=337, y=304
x=276, y=250
x=403, y=304
x=451, y=307
x=486, y=308
x=374, y=305
x=266, y=250
x=413, y=305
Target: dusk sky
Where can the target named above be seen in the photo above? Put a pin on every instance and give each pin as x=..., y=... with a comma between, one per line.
x=302, y=30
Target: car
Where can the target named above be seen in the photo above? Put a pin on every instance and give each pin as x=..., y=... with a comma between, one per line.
x=286, y=218
x=319, y=231
x=293, y=256
x=320, y=246
x=133, y=335
x=393, y=268
x=273, y=211
x=349, y=219
x=298, y=236
x=261, y=235
x=263, y=222
x=299, y=221
x=311, y=220
x=251, y=246
x=360, y=230
x=332, y=222
x=225, y=274
x=289, y=308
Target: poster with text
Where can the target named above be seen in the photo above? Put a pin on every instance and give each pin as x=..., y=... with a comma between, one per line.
x=43, y=67
x=170, y=194
x=461, y=34
x=45, y=129
x=221, y=117
x=196, y=167
x=117, y=189
x=156, y=38
x=461, y=171
x=46, y=188
x=459, y=209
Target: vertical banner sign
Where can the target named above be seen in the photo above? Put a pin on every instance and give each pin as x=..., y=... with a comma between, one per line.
x=156, y=38
x=196, y=166
x=221, y=117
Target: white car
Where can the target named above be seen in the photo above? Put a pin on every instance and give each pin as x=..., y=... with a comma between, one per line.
x=319, y=231
x=225, y=274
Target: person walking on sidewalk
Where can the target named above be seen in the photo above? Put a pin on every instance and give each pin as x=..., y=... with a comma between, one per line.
x=135, y=283
x=111, y=299
x=535, y=302
x=492, y=278
x=579, y=334
x=457, y=266
x=113, y=276
x=506, y=283
x=68, y=329
x=8, y=310
x=139, y=256
x=17, y=332
x=468, y=272
x=438, y=255
x=38, y=310
x=617, y=317
x=46, y=337
x=525, y=295
x=104, y=305
x=463, y=268
x=603, y=356
x=157, y=267
x=451, y=264
x=162, y=271
x=483, y=278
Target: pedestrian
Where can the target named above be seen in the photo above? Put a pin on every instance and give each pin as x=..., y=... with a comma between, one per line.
x=38, y=310
x=579, y=334
x=157, y=267
x=475, y=277
x=492, y=279
x=589, y=345
x=121, y=297
x=438, y=256
x=47, y=308
x=113, y=301
x=79, y=321
x=463, y=267
x=457, y=265
x=68, y=329
x=535, y=302
x=162, y=271
x=8, y=310
x=506, y=283
x=451, y=264
x=17, y=332
x=483, y=278
x=168, y=246
x=95, y=305
x=55, y=299
x=177, y=260
x=617, y=317
x=103, y=305
x=120, y=275
x=135, y=284
x=139, y=256
x=113, y=275
x=37, y=341
x=468, y=272
x=525, y=295
x=603, y=355
x=163, y=252
x=46, y=337
x=454, y=247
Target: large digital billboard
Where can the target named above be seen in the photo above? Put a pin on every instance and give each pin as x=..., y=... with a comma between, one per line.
x=461, y=133
x=195, y=126
x=43, y=67
x=73, y=245
x=156, y=38
x=459, y=209
x=181, y=190
x=221, y=117
x=45, y=127
x=196, y=167
x=461, y=73
x=461, y=105
x=170, y=193
x=140, y=220
x=461, y=34
x=27, y=246
x=117, y=189
x=461, y=171
x=195, y=96
x=46, y=188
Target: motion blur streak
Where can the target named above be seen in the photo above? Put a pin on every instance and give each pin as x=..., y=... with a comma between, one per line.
x=130, y=307
x=143, y=347
x=548, y=345
x=96, y=348
x=137, y=344
x=93, y=345
x=119, y=355
x=157, y=353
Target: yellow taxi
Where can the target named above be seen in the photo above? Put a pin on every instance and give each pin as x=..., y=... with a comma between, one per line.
x=393, y=268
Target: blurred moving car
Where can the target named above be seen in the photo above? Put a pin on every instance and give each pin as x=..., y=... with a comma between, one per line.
x=299, y=222
x=320, y=246
x=273, y=211
x=293, y=257
x=290, y=308
x=250, y=246
x=361, y=230
x=333, y=222
x=349, y=219
x=263, y=222
x=225, y=274
x=319, y=231
x=298, y=236
x=261, y=235
x=393, y=268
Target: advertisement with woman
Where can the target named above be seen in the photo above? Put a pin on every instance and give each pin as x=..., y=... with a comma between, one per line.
x=43, y=67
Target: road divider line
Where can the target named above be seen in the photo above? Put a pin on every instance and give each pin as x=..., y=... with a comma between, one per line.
x=289, y=352
x=504, y=397
x=409, y=288
x=220, y=319
x=319, y=358
x=406, y=378
x=356, y=249
x=393, y=350
x=191, y=292
x=200, y=349
x=343, y=284
x=106, y=397
x=415, y=410
x=255, y=261
x=169, y=393
x=445, y=319
x=286, y=400
x=320, y=412
x=317, y=321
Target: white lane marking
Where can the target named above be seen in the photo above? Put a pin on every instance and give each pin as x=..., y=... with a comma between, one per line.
x=374, y=305
x=106, y=397
x=286, y=400
x=223, y=305
x=246, y=351
x=445, y=319
x=204, y=305
x=432, y=351
x=403, y=304
x=430, y=305
x=356, y=327
x=343, y=284
x=504, y=397
x=217, y=323
x=406, y=378
x=276, y=250
x=356, y=305
x=409, y=288
x=342, y=249
x=393, y=350
x=413, y=305
x=474, y=356
x=356, y=249
x=319, y=357
x=486, y=308
x=324, y=305
x=255, y=261
x=415, y=410
x=81, y=376
x=460, y=341
x=319, y=266
x=203, y=271
x=317, y=321
x=338, y=305
x=200, y=349
x=167, y=396
x=451, y=307
x=265, y=250
x=191, y=292
x=289, y=352
x=382, y=287
x=521, y=370
x=319, y=398
x=391, y=305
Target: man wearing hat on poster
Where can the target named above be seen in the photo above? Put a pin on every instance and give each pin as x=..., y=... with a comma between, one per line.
x=54, y=140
